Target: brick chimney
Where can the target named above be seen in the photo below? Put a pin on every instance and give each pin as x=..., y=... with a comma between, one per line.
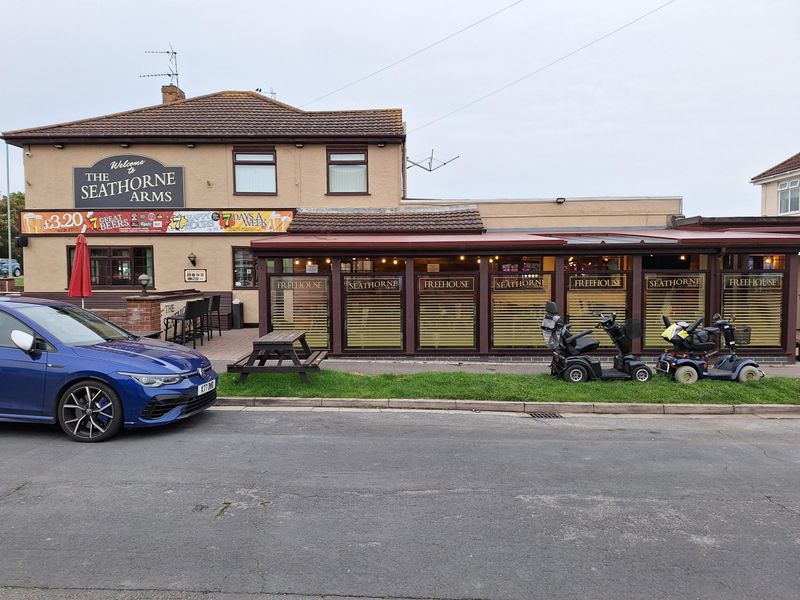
x=171, y=93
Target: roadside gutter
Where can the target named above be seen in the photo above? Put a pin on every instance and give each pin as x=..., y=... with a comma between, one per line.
x=518, y=407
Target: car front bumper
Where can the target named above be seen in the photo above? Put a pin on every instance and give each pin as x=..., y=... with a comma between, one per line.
x=150, y=406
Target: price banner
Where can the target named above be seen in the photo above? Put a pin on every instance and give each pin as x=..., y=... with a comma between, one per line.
x=168, y=222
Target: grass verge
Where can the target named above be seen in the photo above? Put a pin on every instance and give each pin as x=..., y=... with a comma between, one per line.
x=502, y=386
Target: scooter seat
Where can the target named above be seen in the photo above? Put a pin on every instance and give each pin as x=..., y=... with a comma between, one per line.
x=701, y=345
x=585, y=344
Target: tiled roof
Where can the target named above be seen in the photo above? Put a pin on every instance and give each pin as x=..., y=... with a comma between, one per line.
x=226, y=115
x=790, y=164
x=463, y=218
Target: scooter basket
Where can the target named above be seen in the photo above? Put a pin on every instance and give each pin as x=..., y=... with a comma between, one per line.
x=633, y=328
x=742, y=335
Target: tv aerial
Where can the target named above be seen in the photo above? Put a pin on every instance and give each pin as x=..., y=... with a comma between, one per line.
x=173, y=65
x=271, y=93
x=429, y=163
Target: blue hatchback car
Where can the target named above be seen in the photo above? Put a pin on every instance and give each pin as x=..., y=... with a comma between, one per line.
x=60, y=363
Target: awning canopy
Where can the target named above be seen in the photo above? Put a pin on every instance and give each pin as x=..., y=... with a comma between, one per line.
x=519, y=241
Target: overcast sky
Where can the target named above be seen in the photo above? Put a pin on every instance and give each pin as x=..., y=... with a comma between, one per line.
x=693, y=100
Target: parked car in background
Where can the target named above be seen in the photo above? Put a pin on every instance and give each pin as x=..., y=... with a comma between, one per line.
x=62, y=364
x=14, y=271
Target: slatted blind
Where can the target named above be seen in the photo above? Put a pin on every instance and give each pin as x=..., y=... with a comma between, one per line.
x=373, y=312
x=517, y=310
x=583, y=305
x=757, y=302
x=301, y=304
x=447, y=314
x=680, y=296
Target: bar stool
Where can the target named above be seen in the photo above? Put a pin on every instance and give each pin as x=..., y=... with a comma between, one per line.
x=213, y=307
x=191, y=320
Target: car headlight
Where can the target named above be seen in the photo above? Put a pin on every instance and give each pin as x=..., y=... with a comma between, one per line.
x=148, y=380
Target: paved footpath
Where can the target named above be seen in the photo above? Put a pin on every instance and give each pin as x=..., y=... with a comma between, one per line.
x=298, y=504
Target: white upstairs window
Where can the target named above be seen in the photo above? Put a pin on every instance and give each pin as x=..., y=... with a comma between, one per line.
x=789, y=196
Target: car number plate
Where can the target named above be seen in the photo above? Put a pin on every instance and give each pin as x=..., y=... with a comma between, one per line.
x=206, y=387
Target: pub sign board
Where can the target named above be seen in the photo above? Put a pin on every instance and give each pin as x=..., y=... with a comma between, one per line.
x=301, y=283
x=517, y=283
x=354, y=285
x=680, y=282
x=195, y=275
x=596, y=282
x=447, y=284
x=772, y=281
x=128, y=181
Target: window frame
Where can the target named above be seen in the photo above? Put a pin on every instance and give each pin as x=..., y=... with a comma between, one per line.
x=788, y=186
x=133, y=286
x=329, y=150
x=254, y=150
x=233, y=269
x=22, y=327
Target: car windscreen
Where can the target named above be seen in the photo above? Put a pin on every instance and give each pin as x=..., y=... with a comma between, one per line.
x=73, y=326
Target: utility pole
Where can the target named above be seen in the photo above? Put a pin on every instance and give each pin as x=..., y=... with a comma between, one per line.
x=8, y=210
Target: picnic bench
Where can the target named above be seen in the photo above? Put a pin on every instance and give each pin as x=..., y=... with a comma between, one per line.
x=279, y=346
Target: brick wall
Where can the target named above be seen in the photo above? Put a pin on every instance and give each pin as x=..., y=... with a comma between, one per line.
x=118, y=316
x=143, y=315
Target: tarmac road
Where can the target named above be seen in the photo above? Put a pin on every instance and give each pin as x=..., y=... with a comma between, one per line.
x=295, y=504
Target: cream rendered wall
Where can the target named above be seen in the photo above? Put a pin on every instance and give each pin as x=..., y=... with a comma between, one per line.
x=208, y=175
x=769, y=199
x=596, y=212
x=208, y=183
x=47, y=269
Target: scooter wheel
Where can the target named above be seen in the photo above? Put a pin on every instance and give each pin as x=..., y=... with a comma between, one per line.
x=686, y=374
x=748, y=373
x=642, y=374
x=575, y=374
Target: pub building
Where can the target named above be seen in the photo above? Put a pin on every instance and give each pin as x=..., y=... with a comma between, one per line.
x=365, y=289
x=303, y=217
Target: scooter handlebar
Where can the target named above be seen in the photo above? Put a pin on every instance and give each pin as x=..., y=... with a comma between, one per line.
x=694, y=325
x=605, y=321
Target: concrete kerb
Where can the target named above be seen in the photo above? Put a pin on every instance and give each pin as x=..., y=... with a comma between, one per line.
x=606, y=408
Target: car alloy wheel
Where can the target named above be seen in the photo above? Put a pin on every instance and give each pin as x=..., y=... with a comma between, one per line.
x=90, y=411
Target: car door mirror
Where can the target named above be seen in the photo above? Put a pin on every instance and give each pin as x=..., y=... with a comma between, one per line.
x=22, y=340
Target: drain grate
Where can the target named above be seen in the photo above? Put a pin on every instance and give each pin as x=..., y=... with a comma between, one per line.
x=546, y=415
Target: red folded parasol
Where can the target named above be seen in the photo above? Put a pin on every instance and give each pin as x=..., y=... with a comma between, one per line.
x=80, y=281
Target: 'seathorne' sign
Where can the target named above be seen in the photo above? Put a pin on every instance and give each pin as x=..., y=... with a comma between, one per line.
x=128, y=181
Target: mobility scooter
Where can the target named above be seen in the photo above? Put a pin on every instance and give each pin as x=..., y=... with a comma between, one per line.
x=688, y=360
x=570, y=360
